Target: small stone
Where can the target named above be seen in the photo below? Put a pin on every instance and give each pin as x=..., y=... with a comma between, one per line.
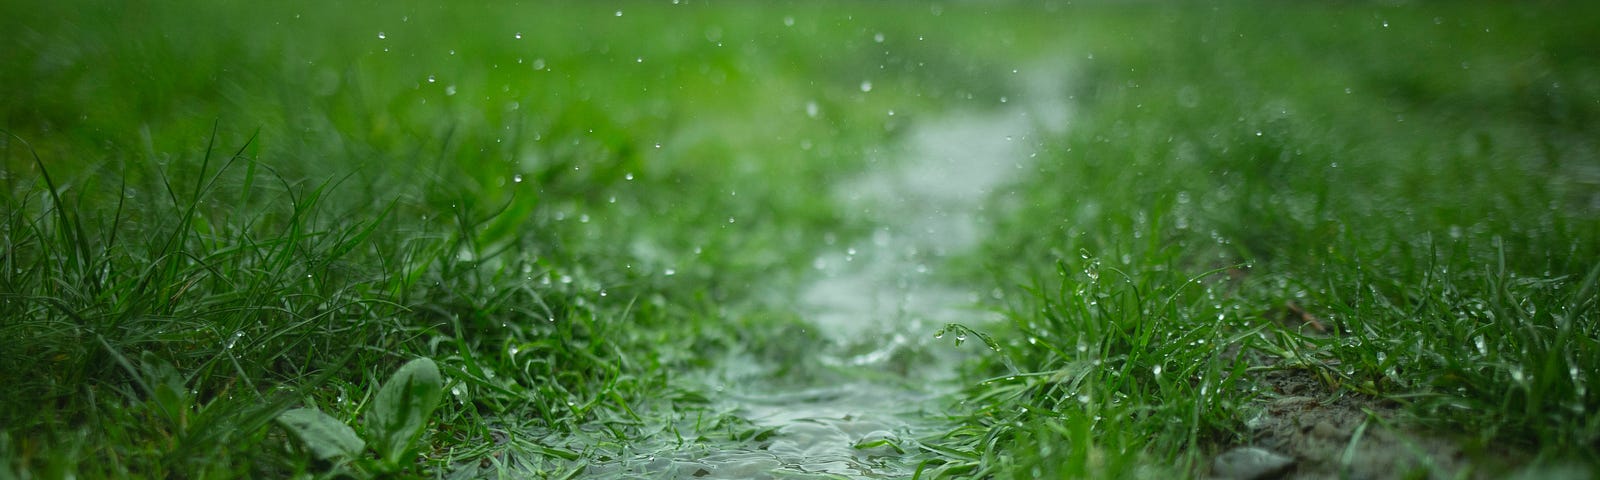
x=1249, y=463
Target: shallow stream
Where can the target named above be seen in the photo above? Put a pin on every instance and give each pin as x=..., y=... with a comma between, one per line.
x=881, y=303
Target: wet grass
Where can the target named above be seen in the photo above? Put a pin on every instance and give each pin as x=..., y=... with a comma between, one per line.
x=1398, y=202
x=216, y=213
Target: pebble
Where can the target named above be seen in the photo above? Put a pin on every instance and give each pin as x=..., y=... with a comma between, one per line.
x=1249, y=463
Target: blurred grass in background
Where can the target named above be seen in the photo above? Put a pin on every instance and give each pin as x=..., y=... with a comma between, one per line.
x=256, y=206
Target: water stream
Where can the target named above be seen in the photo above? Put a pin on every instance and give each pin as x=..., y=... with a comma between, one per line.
x=880, y=303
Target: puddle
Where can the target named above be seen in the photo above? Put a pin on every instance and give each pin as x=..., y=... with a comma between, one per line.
x=879, y=301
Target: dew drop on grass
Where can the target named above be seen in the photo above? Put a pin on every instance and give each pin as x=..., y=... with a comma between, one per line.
x=619, y=13
x=235, y=339
x=866, y=85
x=939, y=334
x=516, y=178
x=812, y=110
x=381, y=36
x=1156, y=370
x=878, y=38
x=518, y=36
x=788, y=21
x=431, y=79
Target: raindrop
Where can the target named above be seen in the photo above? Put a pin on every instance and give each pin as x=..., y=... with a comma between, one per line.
x=450, y=90
x=381, y=36
x=430, y=79
x=812, y=110
x=628, y=176
x=1156, y=370
x=878, y=37
x=235, y=339
x=669, y=272
x=518, y=35
x=788, y=21
x=619, y=13
x=517, y=178
x=866, y=85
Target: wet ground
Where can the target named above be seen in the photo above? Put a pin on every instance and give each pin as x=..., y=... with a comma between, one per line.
x=878, y=301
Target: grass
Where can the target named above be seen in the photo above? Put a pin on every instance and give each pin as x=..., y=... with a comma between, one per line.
x=1425, y=189
x=216, y=213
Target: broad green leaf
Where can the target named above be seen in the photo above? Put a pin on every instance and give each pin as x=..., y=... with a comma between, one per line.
x=402, y=408
x=325, y=436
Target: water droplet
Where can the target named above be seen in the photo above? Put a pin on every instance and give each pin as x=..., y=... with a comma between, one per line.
x=669, y=272
x=812, y=110
x=516, y=178
x=1156, y=370
x=866, y=85
x=628, y=176
x=788, y=21
x=878, y=37
x=381, y=36
x=939, y=334
x=235, y=339
x=450, y=90
x=518, y=36
x=619, y=13
x=430, y=79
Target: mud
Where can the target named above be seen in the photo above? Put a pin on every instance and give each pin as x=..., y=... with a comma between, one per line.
x=1334, y=435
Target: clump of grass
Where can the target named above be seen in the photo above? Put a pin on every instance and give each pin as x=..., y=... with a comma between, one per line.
x=1430, y=219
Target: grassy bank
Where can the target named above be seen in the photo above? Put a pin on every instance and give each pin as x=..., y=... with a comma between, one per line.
x=1397, y=203
x=214, y=213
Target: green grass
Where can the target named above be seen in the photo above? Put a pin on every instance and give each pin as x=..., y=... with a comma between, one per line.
x=1420, y=179
x=214, y=213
